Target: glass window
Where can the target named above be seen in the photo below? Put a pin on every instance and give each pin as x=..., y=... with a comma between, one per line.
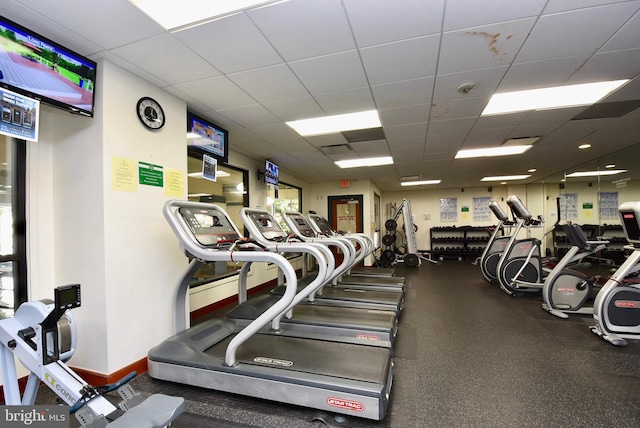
x=289, y=199
x=228, y=191
x=13, y=271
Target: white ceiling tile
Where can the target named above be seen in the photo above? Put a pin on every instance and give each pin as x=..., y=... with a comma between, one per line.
x=231, y=44
x=295, y=108
x=109, y=24
x=460, y=127
x=329, y=73
x=403, y=60
x=150, y=54
x=490, y=137
x=268, y=84
x=457, y=109
x=349, y=101
x=381, y=21
x=627, y=37
x=275, y=132
x=409, y=143
x=403, y=94
x=565, y=34
x=554, y=6
x=402, y=115
x=609, y=66
x=539, y=74
x=217, y=93
x=144, y=74
x=251, y=116
x=49, y=28
x=483, y=47
x=485, y=81
x=405, y=131
x=464, y=14
x=320, y=27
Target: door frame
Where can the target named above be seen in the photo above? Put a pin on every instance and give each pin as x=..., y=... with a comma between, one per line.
x=332, y=215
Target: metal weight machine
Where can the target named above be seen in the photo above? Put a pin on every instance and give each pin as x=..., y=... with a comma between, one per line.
x=392, y=253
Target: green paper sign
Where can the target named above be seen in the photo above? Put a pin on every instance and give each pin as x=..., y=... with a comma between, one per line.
x=150, y=175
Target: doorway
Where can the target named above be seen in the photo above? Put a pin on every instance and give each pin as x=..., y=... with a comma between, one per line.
x=345, y=213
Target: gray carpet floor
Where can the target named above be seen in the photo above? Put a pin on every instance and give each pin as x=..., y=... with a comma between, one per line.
x=467, y=355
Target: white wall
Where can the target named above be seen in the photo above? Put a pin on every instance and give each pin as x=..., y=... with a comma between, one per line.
x=115, y=244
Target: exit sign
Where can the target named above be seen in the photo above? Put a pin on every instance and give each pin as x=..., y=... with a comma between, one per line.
x=344, y=183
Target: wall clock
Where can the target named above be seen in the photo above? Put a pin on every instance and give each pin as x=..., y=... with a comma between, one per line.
x=150, y=113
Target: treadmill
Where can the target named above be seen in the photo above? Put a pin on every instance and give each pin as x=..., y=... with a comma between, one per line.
x=267, y=232
x=370, y=249
x=322, y=227
x=304, y=318
x=336, y=377
x=302, y=228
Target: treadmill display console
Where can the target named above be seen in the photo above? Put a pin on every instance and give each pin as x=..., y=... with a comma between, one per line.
x=268, y=226
x=303, y=226
x=629, y=215
x=210, y=227
x=323, y=224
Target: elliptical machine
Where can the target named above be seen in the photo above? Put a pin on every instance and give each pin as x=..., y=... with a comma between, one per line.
x=496, y=244
x=520, y=269
x=566, y=290
x=616, y=309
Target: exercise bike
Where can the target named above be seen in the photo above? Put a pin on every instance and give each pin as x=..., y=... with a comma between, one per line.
x=42, y=335
x=496, y=245
x=520, y=268
x=616, y=309
x=566, y=290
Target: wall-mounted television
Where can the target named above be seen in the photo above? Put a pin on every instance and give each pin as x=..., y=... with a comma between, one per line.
x=271, y=172
x=207, y=137
x=39, y=68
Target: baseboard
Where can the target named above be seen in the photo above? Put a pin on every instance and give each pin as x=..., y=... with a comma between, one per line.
x=206, y=310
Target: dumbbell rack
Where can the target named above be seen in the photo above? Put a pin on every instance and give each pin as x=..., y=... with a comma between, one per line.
x=458, y=242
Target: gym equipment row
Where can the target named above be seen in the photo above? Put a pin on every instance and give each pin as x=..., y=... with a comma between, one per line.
x=43, y=336
x=310, y=341
x=565, y=288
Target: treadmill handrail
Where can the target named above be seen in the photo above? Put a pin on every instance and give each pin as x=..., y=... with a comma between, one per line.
x=347, y=247
x=324, y=257
x=190, y=244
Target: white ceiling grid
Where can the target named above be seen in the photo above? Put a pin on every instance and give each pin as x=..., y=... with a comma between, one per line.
x=254, y=70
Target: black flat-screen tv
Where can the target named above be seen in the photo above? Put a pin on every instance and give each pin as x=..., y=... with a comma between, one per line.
x=206, y=137
x=271, y=172
x=39, y=68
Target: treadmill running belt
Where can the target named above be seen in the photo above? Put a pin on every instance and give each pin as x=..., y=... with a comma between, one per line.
x=339, y=360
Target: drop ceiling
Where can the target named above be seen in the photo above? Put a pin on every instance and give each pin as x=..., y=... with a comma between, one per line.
x=253, y=71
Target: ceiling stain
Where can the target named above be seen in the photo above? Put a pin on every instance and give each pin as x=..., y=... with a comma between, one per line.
x=493, y=41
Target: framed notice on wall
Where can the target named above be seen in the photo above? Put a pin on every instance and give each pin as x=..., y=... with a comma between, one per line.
x=449, y=209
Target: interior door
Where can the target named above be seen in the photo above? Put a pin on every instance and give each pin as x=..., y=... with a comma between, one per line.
x=345, y=215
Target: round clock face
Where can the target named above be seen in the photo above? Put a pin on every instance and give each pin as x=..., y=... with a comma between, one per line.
x=150, y=113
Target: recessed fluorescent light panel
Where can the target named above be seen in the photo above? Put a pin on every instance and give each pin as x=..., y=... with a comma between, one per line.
x=419, y=183
x=174, y=15
x=596, y=173
x=549, y=98
x=506, y=177
x=337, y=123
x=355, y=163
x=492, y=151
